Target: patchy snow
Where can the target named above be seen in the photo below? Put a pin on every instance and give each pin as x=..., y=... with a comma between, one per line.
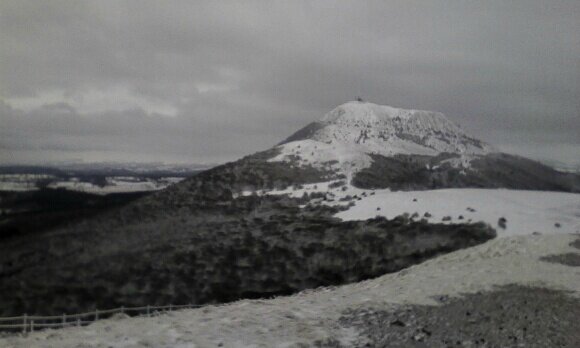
x=525, y=211
x=313, y=315
x=342, y=158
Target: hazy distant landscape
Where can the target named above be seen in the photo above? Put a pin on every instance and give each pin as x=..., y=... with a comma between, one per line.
x=38, y=198
x=97, y=178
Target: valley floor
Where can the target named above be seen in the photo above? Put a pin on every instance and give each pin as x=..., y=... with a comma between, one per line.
x=512, y=291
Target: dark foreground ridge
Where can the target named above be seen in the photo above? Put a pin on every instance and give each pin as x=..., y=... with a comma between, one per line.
x=511, y=316
x=263, y=246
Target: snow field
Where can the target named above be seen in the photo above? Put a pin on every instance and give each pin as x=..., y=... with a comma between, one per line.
x=525, y=212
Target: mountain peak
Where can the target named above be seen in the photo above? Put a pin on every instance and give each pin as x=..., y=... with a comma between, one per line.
x=366, y=112
x=386, y=130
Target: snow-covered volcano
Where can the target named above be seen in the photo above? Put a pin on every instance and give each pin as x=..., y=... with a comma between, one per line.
x=287, y=219
x=355, y=129
x=386, y=130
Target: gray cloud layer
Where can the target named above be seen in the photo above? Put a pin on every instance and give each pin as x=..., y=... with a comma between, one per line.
x=210, y=81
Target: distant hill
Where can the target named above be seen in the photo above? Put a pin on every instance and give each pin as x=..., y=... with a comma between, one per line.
x=378, y=146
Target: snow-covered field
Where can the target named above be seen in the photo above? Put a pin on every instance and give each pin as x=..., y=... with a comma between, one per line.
x=525, y=212
x=313, y=315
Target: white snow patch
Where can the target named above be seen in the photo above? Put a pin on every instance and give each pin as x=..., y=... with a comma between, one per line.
x=525, y=211
x=342, y=158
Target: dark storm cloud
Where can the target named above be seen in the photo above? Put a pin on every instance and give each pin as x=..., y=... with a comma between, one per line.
x=216, y=80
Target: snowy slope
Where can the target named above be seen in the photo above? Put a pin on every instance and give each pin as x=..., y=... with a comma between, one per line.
x=387, y=130
x=525, y=212
x=353, y=130
x=342, y=158
x=300, y=320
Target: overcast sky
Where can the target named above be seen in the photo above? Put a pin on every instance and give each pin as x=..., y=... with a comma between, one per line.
x=194, y=81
